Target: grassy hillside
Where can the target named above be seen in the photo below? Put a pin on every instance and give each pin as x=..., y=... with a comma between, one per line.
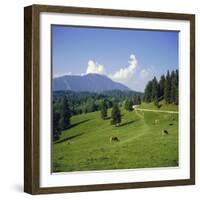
x=163, y=106
x=86, y=145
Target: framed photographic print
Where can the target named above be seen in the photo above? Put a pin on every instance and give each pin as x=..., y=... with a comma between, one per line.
x=109, y=99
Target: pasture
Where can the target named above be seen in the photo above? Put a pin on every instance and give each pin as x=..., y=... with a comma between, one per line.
x=162, y=104
x=86, y=145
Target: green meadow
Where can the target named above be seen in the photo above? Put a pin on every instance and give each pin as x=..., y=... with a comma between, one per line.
x=162, y=106
x=86, y=145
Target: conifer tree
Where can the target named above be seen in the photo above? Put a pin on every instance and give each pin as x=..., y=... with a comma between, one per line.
x=155, y=91
x=135, y=100
x=138, y=100
x=173, y=87
x=128, y=105
x=161, y=86
x=176, y=91
x=103, y=110
x=65, y=114
x=56, y=128
x=148, y=92
x=167, y=89
x=115, y=115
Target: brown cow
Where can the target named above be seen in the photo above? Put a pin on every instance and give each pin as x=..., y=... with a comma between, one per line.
x=114, y=138
x=165, y=132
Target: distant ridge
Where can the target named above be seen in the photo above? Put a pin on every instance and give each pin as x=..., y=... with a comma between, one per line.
x=87, y=83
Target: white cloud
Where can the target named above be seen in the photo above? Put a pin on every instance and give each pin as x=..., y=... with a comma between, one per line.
x=94, y=67
x=134, y=76
x=144, y=73
x=149, y=73
x=121, y=76
x=125, y=73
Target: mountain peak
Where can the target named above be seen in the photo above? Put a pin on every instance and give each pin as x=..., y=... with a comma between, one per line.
x=91, y=82
x=95, y=75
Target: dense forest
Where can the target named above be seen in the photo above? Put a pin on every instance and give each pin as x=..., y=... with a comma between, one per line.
x=166, y=88
x=84, y=102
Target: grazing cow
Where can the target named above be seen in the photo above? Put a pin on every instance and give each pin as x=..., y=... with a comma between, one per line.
x=156, y=121
x=165, y=132
x=114, y=138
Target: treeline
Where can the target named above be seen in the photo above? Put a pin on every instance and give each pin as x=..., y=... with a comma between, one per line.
x=166, y=88
x=116, y=112
x=128, y=104
x=85, y=102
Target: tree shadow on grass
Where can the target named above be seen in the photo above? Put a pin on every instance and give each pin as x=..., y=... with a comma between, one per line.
x=78, y=123
x=128, y=123
x=73, y=136
x=108, y=118
x=69, y=138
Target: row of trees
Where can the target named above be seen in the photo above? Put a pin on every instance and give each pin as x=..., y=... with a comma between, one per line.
x=128, y=105
x=85, y=102
x=116, y=113
x=166, y=88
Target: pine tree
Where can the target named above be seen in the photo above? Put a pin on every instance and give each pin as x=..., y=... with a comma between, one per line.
x=65, y=114
x=138, y=100
x=167, y=90
x=148, y=92
x=154, y=94
x=90, y=105
x=156, y=103
x=128, y=104
x=161, y=86
x=135, y=100
x=173, y=87
x=104, y=110
x=115, y=115
x=56, y=128
x=176, y=91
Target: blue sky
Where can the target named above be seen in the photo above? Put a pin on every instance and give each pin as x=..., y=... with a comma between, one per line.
x=131, y=57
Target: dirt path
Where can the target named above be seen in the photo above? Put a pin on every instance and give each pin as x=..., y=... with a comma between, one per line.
x=149, y=110
x=139, y=115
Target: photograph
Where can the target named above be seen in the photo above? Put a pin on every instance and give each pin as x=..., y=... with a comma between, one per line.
x=114, y=98
x=109, y=99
